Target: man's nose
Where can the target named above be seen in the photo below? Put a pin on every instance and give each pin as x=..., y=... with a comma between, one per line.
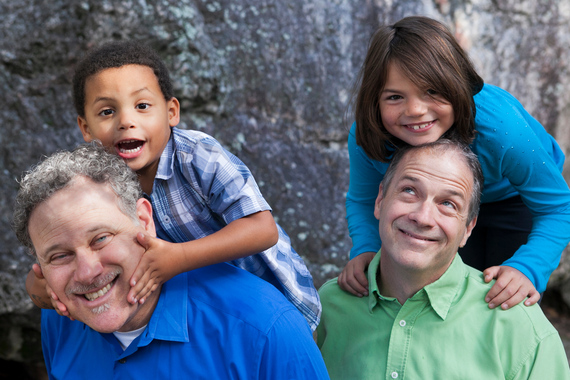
x=423, y=214
x=88, y=266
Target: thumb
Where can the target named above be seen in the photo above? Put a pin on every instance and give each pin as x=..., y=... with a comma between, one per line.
x=143, y=240
x=491, y=273
x=38, y=271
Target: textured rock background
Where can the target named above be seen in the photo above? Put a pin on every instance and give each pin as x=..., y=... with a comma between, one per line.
x=270, y=79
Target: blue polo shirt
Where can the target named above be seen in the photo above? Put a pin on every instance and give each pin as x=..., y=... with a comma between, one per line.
x=217, y=322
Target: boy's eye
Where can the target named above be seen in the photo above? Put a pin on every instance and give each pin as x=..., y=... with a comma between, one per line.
x=432, y=92
x=106, y=112
x=143, y=106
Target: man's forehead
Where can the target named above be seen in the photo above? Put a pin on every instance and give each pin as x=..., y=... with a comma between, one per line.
x=447, y=166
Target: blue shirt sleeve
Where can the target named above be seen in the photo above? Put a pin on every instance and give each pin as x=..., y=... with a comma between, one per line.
x=365, y=177
x=518, y=156
x=290, y=352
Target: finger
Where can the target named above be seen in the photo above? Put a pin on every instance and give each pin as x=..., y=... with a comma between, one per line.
x=38, y=271
x=344, y=283
x=143, y=240
x=362, y=281
x=491, y=273
x=534, y=297
x=505, y=294
x=137, y=289
x=516, y=298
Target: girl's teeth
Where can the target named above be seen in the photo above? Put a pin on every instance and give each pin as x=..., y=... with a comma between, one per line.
x=422, y=126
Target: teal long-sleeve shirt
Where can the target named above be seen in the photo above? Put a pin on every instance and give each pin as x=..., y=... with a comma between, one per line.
x=517, y=156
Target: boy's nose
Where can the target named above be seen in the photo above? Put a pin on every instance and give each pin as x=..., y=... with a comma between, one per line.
x=126, y=121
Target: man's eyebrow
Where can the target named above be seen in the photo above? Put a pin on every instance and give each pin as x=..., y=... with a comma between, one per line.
x=58, y=245
x=448, y=192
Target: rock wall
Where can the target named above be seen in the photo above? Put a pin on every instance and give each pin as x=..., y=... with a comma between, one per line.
x=270, y=79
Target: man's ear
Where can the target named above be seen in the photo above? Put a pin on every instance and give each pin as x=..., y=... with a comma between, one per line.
x=468, y=231
x=144, y=213
x=173, y=107
x=82, y=123
x=378, y=202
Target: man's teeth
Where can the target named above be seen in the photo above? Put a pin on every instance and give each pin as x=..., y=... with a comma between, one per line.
x=95, y=295
x=421, y=126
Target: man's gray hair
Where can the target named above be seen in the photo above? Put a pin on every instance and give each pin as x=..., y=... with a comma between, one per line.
x=59, y=170
x=441, y=146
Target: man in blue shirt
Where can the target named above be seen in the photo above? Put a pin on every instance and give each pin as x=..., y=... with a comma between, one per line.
x=80, y=213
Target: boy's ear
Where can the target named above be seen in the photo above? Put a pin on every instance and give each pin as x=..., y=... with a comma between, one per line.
x=173, y=107
x=82, y=123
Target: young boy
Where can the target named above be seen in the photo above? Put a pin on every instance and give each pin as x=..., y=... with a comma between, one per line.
x=206, y=204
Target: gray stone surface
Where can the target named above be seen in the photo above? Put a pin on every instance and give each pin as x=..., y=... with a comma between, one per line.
x=270, y=79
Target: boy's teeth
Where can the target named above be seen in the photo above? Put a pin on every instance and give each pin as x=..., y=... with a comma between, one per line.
x=97, y=294
x=130, y=150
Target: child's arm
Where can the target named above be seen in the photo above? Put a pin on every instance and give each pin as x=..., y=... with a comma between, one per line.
x=163, y=260
x=353, y=277
x=510, y=288
x=41, y=294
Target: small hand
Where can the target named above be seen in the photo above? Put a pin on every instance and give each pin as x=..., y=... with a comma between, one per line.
x=152, y=270
x=353, y=277
x=510, y=288
x=57, y=305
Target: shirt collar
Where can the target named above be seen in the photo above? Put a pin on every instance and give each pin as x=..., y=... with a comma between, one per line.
x=170, y=317
x=166, y=163
x=440, y=293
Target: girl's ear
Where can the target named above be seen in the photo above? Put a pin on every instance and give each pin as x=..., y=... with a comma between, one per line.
x=82, y=123
x=173, y=107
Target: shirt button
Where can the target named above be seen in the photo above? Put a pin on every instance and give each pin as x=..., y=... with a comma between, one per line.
x=123, y=361
x=394, y=375
x=402, y=323
x=166, y=219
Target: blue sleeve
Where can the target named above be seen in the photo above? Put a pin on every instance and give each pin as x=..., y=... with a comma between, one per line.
x=365, y=177
x=512, y=145
x=225, y=182
x=290, y=351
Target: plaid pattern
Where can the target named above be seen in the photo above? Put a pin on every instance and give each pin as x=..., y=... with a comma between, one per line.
x=199, y=188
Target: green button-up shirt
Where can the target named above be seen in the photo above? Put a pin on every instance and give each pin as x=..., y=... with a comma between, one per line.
x=445, y=331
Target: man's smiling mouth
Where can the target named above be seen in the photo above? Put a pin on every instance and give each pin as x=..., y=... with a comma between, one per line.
x=101, y=292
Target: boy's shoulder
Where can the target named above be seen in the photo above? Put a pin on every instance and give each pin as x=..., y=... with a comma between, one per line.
x=190, y=138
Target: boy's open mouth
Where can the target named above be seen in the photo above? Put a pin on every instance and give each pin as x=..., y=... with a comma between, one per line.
x=130, y=146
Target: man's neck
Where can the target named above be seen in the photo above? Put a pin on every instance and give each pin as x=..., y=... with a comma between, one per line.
x=401, y=283
x=144, y=312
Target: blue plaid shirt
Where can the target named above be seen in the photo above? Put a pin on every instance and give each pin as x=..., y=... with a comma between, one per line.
x=199, y=188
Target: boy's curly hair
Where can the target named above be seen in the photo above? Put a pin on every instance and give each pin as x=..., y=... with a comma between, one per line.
x=117, y=54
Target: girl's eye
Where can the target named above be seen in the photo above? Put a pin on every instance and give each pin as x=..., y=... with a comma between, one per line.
x=143, y=106
x=394, y=97
x=432, y=92
x=106, y=112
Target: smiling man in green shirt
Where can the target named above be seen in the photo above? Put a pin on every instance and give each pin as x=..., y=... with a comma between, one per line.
x=425, y=316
